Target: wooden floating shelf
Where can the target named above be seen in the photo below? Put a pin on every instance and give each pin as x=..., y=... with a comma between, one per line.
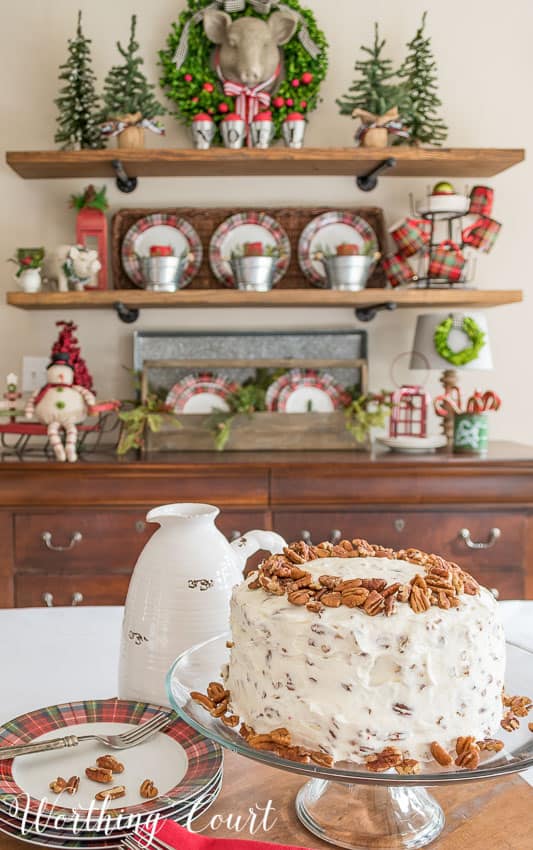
x=250, y=162
x=139, y=298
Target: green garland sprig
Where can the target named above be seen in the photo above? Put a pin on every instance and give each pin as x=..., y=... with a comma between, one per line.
x=195, y=87
x=465, y=355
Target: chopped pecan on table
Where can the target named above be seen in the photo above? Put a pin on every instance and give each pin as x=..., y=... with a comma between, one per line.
x=99, y=774
x=509, y=722
x=440, y=755
x=387, y=758
x=58, y=785
x=73, y=783
x=467, y=752
x=148, y=790
x=110, y=763
x=408, y=767
x=490, y=744
x=111, y=793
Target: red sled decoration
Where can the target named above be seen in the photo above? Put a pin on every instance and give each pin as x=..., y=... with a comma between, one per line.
x=409, y=412
x=91, y=232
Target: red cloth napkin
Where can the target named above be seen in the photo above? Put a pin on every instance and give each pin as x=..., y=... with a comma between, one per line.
x=180, y=838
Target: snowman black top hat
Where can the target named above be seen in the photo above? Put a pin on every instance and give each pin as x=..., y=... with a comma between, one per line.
x=60, y=357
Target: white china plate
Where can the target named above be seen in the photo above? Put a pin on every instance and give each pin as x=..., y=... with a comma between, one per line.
x=160, y=229
x=411, y=445
x=204, y=402
x=248, y=226
x=326, y=232
x=294, y=399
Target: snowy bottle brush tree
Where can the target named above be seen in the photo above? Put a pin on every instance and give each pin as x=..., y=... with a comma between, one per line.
x=78, y=102
x=130, y=104
x=420, y=102
x=374, y=90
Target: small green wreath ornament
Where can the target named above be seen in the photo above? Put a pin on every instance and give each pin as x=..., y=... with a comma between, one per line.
x=191, y=83
x=465, y=355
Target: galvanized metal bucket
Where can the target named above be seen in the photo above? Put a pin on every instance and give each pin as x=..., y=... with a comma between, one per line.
x=162, y=274
x=349, y=273
x=254, y=274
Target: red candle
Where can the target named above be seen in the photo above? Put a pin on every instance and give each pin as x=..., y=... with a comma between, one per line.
x=161, y=251
x=346, y=249
x=253, y=249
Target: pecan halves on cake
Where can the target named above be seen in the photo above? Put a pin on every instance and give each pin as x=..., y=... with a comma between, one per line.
x=440, y=755
x=419, y=599
x=493, y=745
x=467, y=752
x=299, y=597
x=331, y=600
x=408, y=767
x=374, y=603
x=509, y=722
x=387, y=758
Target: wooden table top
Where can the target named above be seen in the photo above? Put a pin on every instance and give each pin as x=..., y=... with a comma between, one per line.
x=489, y=815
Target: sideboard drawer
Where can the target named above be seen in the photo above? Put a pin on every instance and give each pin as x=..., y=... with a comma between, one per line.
x=431, y=531
x=34, y=590
x=113, y=539
x=79, y=539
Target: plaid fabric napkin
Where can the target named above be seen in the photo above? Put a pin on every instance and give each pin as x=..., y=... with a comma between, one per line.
x=177, y=836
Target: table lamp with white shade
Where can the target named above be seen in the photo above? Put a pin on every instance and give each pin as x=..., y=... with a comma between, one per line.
x=457, y=341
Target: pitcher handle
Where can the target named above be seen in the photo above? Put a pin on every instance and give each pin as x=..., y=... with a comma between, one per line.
x=252, y=541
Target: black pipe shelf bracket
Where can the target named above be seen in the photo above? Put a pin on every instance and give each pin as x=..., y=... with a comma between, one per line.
x=126, y=314
x=366, y=314
x=367, y=182
x=123, y=181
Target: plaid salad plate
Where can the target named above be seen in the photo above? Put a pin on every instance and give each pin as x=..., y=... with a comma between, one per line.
x=235, y=231
x=160, y=229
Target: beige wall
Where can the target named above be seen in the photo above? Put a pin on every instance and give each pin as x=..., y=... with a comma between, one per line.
x=485, y=71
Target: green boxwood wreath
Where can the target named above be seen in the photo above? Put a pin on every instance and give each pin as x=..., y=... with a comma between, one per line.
x=465, y=355
x=195, y=87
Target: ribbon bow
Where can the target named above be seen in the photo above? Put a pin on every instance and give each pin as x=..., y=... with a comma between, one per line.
x=248, y=99
x=262, y=7
x=389, y=120
x=115, y=126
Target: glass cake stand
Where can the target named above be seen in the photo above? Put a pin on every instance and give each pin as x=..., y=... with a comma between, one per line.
x=345, y=804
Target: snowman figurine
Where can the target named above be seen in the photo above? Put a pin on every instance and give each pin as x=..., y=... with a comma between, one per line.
x=61, y=405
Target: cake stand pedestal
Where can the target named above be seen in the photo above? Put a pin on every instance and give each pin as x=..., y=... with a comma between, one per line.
x=346, y=804
x=361, y=817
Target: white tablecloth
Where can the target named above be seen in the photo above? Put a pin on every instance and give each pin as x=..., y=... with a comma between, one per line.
x=53, y=655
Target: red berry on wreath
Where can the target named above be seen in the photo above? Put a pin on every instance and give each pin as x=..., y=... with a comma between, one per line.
x=307, y=78
x=278, y=102
x=194, y=100
x=188, y=78
x=208, y=87
x=289, y=101
x=223, y=107
x=303, y=104
x=295, y=83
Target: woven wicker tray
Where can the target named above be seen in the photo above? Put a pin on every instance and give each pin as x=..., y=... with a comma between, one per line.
x=205, y=222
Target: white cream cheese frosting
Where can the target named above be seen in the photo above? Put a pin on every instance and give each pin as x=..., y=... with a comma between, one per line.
x=350, y=684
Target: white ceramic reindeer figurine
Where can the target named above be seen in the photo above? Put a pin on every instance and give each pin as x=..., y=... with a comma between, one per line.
x=248, y=59
x=61, y=405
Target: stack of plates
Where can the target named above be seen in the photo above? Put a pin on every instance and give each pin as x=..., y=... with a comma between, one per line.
x=183, y=765
x=201, y=394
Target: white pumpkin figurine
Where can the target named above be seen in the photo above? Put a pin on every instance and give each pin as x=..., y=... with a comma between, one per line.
x=61, y=405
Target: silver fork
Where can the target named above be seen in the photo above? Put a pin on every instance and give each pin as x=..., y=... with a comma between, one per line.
x=114, y=742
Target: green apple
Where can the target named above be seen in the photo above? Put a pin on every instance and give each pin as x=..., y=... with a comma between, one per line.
x=443, y=188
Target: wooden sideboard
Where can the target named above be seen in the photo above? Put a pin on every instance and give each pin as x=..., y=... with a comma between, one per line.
x=71, y=533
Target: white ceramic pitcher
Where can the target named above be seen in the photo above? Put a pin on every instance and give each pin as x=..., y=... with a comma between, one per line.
x=179, y=593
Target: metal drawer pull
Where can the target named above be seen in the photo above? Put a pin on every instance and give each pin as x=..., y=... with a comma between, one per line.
x=46, y=537
x=494, y=535
x=399, y=524
x=306, y=537
x=48, y=600
x=77, y=597
x=234, y=535
x=335, y=536
x=140, y=526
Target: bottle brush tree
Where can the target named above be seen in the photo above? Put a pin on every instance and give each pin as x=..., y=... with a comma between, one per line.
x=126, y=89
x=374, y=90
x=420, y=102
x=78, y=103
